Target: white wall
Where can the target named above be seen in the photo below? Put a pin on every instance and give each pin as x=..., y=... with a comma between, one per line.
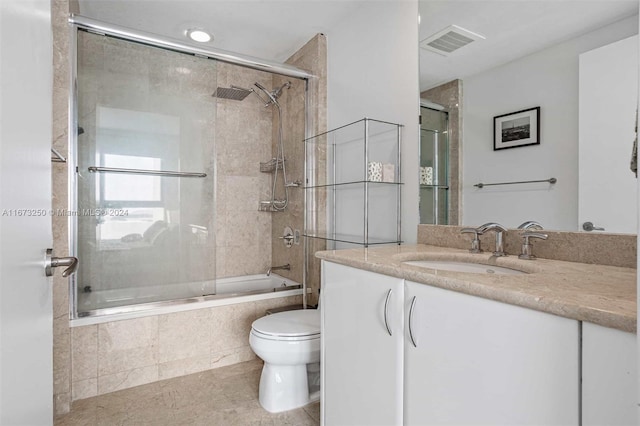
x=548, y=79
x=372, y=62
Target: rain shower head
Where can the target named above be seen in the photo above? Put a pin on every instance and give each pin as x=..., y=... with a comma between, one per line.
x=235, y=93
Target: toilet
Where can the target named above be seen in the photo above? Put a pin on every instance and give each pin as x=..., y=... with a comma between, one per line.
x=289, y=344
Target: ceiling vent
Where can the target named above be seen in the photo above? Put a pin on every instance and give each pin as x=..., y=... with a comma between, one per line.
x=449, y=40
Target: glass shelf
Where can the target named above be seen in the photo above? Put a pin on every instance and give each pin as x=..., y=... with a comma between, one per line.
x=352, y=239
x=328, y=185
x=434, y=187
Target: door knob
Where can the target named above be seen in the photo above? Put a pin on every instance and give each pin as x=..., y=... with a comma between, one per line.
x=51, y=262
x=589, y=226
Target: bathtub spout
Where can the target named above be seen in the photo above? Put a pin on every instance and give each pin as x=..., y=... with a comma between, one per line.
x=273, y=268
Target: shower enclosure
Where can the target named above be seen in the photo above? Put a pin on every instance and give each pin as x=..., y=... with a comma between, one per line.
x=165, y=183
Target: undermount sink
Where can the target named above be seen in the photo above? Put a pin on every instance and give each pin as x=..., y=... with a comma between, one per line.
x=476, y=268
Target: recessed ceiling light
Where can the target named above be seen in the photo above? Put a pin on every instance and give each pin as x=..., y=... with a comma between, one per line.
x=199, y=35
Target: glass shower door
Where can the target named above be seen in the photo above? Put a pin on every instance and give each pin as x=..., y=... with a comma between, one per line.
x=434, y=170
x=144, y=223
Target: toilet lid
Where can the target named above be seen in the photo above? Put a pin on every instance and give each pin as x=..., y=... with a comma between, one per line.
x=303, y=322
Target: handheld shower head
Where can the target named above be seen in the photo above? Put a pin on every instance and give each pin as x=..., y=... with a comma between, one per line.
x=261, y=87
x=273, y=95
x=272, y=99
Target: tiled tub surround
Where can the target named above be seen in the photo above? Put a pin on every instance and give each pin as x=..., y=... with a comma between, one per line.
x=599, y=294
x=583, y=247
x=121, y=354
x=243, y=140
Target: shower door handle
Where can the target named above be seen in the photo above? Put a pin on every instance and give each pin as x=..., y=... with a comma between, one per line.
x=51, y=262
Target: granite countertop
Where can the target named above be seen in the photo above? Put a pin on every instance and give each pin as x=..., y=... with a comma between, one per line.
x=599, y=294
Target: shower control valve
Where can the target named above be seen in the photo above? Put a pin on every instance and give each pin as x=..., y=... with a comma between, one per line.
x=288, y=237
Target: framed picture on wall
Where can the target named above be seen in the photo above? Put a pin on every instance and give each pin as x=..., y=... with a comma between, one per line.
x=516, y=129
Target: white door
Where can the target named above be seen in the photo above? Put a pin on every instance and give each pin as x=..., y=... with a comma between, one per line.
x=361, y=347
x=476, y=361
x=26, y=373
x=607, y=112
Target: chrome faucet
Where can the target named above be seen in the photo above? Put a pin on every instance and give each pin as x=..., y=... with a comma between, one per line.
x=286, y=267
x=531, y=224
x=498, y=229
x=526, y=246
x=475, y=243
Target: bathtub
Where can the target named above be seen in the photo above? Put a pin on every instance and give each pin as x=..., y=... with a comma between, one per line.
x=228, y=291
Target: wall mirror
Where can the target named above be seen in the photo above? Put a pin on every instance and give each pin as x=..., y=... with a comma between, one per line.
x=575, y=60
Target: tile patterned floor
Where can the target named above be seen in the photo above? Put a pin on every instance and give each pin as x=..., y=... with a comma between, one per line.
x=225, y=396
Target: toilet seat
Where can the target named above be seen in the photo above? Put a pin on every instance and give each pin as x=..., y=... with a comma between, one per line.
x=284, y=338
x=302, y=324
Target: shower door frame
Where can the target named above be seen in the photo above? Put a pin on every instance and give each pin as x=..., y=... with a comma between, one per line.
x=77, y=23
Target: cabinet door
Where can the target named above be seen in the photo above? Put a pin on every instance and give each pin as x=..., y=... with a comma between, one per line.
x=609, y=376
x=478, y=361
x=361, y=362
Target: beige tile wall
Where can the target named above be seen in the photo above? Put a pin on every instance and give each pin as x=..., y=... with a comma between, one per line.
x=243, y=140
x=121, y=354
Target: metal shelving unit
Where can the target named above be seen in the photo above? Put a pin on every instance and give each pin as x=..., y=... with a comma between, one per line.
x=352, y=185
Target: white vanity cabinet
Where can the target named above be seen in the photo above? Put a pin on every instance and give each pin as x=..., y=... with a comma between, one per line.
x=470, y=360
x=436, y=356
x=609, y=372
x=362, y=345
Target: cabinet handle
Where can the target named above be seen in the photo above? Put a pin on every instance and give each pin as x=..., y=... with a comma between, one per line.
x=386, y=310
x=413, y=304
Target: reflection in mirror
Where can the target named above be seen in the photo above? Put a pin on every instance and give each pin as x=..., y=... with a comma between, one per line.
x=434, y=164
x=509, y=71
